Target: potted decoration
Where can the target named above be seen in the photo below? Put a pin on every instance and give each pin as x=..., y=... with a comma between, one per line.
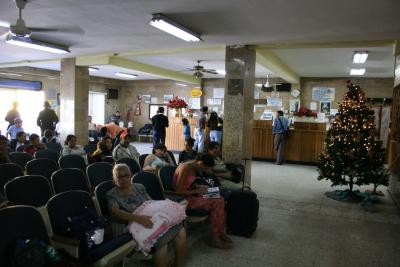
x=178, y=104
x=305, y=115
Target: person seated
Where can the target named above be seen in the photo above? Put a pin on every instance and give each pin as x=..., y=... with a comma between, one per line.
x=71, y=148
x=158, y=159
x=184, y=178
x=19, y=143
x=220, y=170
x=125, y=198
x=125, y=149
x=188, y=153
x=14, y=129
x=104, y=149
x=4, y=150
x=34, y=145
x=49, y=137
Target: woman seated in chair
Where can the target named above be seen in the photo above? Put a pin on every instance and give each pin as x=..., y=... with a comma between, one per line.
x=71, y=148
x=103, y=151
x=34, y=145
x=158, y=159
x=188, y=153
x=184, y=179
x=125, y=198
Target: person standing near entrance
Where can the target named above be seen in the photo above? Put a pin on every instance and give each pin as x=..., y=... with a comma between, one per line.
x=12, y=114
x=160, y=122
x=47, y=118
x=279, y=130
x=200, y=131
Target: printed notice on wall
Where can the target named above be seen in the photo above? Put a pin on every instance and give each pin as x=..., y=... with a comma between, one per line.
x=194, y=103
x=274, y=102
x=218, y=93
x=323, y=94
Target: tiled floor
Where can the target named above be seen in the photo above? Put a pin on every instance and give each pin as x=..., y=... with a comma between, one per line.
x=300, y=226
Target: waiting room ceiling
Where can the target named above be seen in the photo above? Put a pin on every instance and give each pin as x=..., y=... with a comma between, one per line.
x=121, y=26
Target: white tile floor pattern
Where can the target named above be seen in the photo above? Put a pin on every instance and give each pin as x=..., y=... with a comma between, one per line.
x=300, y=226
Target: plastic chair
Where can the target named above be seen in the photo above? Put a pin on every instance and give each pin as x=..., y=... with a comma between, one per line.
x=69, y=179
x=44, y=167
x=20, y=158
x=47, y=154
x=152, y=184
x=100, y=192
x=90, y=148
x=19, y=222
x=109, y=159
x=32, y=190
x=99, y=172
x=72, y=161
x=9, y=171
x=142, y=158
x=133, y=165
x=75, y=203
x=56, y=147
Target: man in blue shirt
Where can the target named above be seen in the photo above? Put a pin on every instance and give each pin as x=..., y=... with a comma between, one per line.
x=281, y=126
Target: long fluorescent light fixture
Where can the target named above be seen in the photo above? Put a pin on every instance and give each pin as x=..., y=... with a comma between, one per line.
x=126, y=75
x=360, y=57
x=357, y=71
x=35, y=44
x=221, y=72
x=93, y=69
x=163, y=23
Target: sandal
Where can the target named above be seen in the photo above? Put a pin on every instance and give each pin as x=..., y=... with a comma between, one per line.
x=217, y=243
x=226, y=239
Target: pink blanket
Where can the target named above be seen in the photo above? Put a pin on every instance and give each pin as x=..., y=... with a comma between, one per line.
x=164, y=215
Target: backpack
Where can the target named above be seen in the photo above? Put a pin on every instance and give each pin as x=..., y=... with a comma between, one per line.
x=146, y=129
x=33, y=253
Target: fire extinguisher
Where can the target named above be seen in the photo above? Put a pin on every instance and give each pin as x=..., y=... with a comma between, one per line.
x=138, y=110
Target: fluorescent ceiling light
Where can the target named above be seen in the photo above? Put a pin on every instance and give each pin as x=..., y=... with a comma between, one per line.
x=222, y=72
x=181, y=84
x=35, y=44
x=92, y=69
x=4, y=24
x=163, y=23
x=360, y=57
x=357, y=71
x=126, y=75
x=11, y=74
x=259, y=84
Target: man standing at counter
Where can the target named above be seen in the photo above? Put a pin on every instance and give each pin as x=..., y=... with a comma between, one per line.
x=160, y=122
x=280, y=128
x=200, y=131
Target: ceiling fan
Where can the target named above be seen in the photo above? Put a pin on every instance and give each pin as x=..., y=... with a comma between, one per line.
x=269, y=87
x=19, y=29
x=199, y=70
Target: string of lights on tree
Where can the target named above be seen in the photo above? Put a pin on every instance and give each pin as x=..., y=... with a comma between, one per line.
x=352, y=155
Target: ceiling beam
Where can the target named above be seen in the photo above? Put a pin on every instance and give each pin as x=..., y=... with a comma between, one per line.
x=168, y=74
x=356, y=44
x=271, y=61
x=27, y=63
x=173, y=51
x=92, y=60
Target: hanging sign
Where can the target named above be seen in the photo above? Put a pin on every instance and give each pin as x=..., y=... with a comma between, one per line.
x=196, y=93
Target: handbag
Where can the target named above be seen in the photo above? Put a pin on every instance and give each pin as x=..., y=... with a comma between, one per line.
x=285, y=131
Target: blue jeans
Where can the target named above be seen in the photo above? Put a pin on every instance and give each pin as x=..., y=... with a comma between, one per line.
x=200, y=139
x=216, y=136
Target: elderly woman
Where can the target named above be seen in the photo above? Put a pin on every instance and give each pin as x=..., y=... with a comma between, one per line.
x=184, y=182
x=158, y=159
x=125, y=198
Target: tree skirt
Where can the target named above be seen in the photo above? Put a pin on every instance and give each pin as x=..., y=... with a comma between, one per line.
x=345, y=196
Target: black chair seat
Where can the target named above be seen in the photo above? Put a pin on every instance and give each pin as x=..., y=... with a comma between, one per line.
x=152, y=184
x=142, y=158
x=56, y=147
x=99, y=172
x=72, y=161
x=133, y=165
x=44, y=167
x=9, y=171
x=69, y=179
x=107, y=247
x=20, y=158
x=33, y=190
x=90, y=148
x=167, y=177
x=47, y=154
x=100, y=192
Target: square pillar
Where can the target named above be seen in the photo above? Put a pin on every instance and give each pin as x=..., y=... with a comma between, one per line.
x=238, y=105
x=74, y=98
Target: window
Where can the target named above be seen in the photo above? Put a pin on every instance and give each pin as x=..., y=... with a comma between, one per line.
x=97, y=107
x=30, y=103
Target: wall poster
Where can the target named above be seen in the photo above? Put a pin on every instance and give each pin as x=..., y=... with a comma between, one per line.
x=323, y=94
x=325, y=107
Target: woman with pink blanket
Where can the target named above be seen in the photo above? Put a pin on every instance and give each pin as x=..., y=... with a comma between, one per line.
x=150, y=222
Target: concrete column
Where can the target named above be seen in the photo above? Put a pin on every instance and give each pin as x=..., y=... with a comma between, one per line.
x=74, y=97
x=238, y=105
x=394, y=146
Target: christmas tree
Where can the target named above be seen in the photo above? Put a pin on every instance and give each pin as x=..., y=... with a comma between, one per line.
x=352, y=156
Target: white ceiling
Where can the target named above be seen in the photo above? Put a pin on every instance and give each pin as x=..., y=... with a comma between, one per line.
x=119, y=26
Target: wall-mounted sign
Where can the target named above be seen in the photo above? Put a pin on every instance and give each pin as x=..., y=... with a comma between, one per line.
x=274, y=102
x=218, y=93
x=323, y=94
x=196, y=92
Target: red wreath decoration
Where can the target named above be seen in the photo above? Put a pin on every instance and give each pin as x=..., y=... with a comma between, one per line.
x=177, y=102
x=305, y=112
